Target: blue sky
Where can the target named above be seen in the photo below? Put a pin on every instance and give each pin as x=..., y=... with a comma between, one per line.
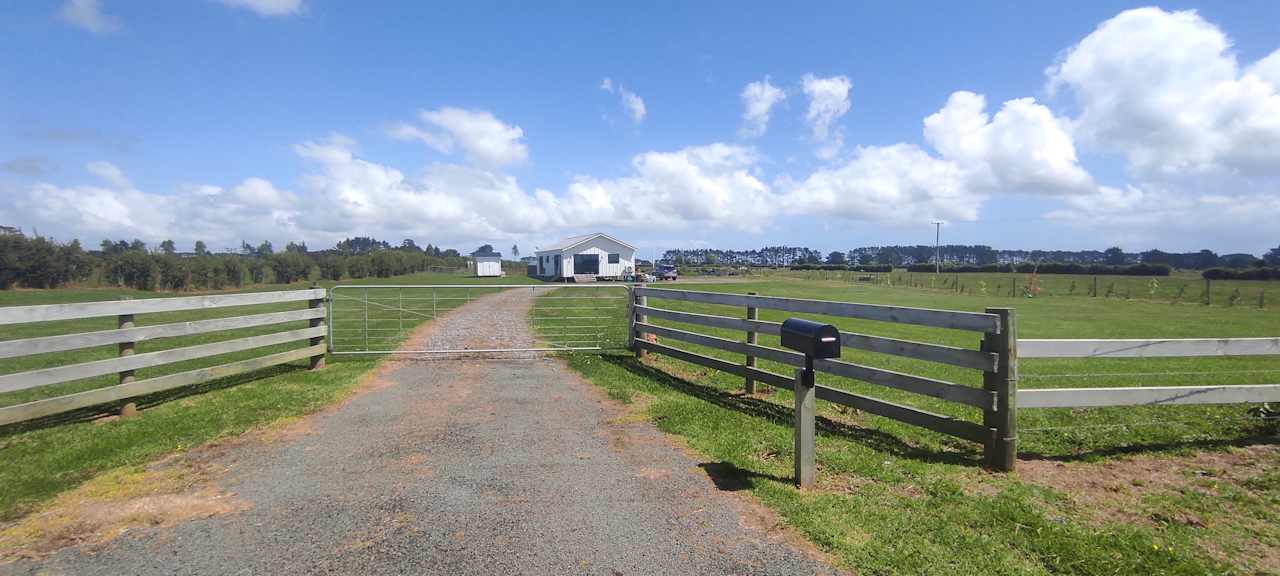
x=1075, y=126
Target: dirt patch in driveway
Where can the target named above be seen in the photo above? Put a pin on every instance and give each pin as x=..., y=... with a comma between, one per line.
x=161, y=494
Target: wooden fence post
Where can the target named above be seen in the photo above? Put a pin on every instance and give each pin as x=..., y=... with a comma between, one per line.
x=1208, y=298
x=640, y=300
x=1001, y=451
x=124, y=321
x=317, y=361
x=806, y=468
x=749, y=385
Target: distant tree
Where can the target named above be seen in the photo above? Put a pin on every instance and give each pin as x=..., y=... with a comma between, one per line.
x=1206, y=259
x=410, y=245
x=1156, y=257
x=167, y=247
x=515, y=251
x=450, y=253
x=298, y=247
x=246, y=249
x=201, y=249
x=1238, y=260
x=485, y=249
x=265, y=249
x=138, y=245
x=836, y=258
x=1114, y=256
x=1272, y=258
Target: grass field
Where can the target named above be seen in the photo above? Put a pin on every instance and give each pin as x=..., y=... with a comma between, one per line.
x=46, y=458
x=1180, y=287
x=896, y=499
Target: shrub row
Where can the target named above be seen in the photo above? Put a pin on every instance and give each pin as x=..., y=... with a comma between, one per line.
x=1055, y=268
x=1242, y=273
x=843, y=267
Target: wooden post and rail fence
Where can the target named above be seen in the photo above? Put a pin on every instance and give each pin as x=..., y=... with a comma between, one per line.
x=127, y=334
x=997, y=358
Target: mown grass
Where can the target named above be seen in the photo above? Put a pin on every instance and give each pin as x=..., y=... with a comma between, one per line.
x=1179, y=287
x=40, y=459
x=894, y=499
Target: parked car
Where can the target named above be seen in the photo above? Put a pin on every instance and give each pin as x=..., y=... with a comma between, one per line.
x=668, y=273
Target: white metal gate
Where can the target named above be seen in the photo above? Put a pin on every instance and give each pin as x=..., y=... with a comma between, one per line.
x=392, y=319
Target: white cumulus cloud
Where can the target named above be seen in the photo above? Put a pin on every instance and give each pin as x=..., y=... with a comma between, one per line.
x=632, y=103
x=828, y=102
x=268, y=7
x=484, y=138
x=1165, y=90
x=758, y=99
x=1024, y=148
x=88, y=15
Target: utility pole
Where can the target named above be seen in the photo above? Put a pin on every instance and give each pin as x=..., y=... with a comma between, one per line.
x=937, y=247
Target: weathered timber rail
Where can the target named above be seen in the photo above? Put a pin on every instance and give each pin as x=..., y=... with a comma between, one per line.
x=127, y=335
x=997, y=359
x=1149, y=395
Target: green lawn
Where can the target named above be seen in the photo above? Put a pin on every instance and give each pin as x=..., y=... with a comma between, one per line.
x=1180, y=287
x=897, y=499
x=45, y=458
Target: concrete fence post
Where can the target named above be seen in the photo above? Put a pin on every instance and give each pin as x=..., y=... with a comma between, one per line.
x=124, y=321
x=806, y=467
x=749, y=385
x=1001, y=450
x=317, y=361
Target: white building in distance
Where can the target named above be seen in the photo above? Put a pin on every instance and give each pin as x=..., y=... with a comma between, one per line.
x=586, y=258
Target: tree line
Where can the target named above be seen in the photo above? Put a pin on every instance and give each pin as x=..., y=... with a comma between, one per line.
x=965, y=255
x=43, y=263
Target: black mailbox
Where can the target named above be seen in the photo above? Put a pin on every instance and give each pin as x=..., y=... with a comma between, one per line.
x=813, y=339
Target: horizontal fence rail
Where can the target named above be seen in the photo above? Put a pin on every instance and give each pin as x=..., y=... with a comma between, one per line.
x=1148, y=395
x=997, y=360
x=974, y=321
x=1133, y=348
x=50, y=312
x=127, y=335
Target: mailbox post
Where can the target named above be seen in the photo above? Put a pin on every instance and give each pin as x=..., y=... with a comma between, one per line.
x=814, y=340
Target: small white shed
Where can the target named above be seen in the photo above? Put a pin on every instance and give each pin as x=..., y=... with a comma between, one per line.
x=598, y=256
x=488, y=265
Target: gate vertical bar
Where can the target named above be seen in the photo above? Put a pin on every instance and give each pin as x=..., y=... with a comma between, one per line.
x=400, y=312
x=1001, y=451
x=366, y=319
x=749, y=385
x=317, y=361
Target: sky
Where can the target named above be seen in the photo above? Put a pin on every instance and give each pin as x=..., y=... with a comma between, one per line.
x=730, y=125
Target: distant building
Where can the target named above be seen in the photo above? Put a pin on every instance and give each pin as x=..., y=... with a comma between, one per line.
x=590, y=256
x=488, y=265
x=10, y=231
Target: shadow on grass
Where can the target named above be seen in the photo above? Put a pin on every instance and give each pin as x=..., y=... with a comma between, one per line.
x=1265, y=434
x=730, y=478
x=144, y=402
x=784, y=416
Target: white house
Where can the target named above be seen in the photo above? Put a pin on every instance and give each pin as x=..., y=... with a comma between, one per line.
x=591, y=255
x=488, y=264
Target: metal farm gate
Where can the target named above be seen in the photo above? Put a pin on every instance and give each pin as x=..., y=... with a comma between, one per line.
x=478, y=318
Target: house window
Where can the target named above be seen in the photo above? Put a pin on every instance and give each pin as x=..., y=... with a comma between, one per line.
x=613, y=258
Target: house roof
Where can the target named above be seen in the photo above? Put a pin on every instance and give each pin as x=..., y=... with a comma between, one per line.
x=486, y=255
x=572, y=241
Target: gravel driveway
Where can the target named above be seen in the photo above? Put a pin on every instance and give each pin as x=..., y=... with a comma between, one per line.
x=464, y=466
